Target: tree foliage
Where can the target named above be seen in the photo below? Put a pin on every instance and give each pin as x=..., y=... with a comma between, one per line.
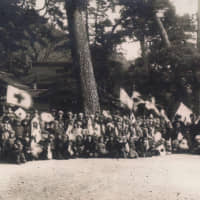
x=169, y=73
x=27, y=37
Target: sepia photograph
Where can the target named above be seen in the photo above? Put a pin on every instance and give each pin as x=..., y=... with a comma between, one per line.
x=99, y=99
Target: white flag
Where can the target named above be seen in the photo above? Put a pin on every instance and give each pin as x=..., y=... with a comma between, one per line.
x=163, y=114
x=47, y=117
x=21, y=113
x=106, y=114
x=132, y=118
x=125, y=99
x=18, y=97
x=184, y=112
x=136, y=95
x=150, y=106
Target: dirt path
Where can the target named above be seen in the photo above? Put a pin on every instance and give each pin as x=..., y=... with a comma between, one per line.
x=175, y=177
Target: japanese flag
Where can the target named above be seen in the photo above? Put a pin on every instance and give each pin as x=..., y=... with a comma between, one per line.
x=18, y=97
x=21, y=113
x=47, y=117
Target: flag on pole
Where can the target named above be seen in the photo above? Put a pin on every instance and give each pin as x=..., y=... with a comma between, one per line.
x=164, y=115
x=151, y=106
x=137, y=99
x=184, y=112
x=136, y=95
x=106, y=114
x=18, y=97
x=125, y=99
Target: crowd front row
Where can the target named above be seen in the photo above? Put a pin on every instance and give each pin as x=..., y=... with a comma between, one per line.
x=94, y=136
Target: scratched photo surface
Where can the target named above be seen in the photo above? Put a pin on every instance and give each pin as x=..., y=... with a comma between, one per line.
x=99, y=99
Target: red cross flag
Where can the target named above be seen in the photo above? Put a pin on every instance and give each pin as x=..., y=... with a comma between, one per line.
x=18, y=97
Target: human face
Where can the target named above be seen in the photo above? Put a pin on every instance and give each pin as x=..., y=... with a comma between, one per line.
x=80, y=116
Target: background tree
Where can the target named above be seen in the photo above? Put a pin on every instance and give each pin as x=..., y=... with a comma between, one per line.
x=81, y=54
x=27, y=37
x=168, y=65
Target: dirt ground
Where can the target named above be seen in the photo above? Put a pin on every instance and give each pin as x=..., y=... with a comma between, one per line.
x=175, y=177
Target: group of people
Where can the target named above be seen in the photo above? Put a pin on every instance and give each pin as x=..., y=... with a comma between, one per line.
x=105, y=135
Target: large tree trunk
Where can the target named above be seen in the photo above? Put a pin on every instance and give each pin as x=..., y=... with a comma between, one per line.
x=197, y=89
x=81, y=54
x=163, y=32
x=143, y=45
x=87, y=20
x=96, y=19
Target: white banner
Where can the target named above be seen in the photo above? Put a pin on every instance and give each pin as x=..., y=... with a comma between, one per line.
x=150, y=106
x=125, y=99
x=18, y=97
x=184, y=112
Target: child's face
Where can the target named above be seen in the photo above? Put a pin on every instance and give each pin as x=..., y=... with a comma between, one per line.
x=89, y=138
x=65, y=138
x=178, y=125
x=12, y=135
x=60, y=115
x=28, y=116
x=60, y=125
x=59, y=136
x=78, y=125
x=101, y=140
x=35, y=125
x=27, y=139
x=78, y=138
x=80, y=116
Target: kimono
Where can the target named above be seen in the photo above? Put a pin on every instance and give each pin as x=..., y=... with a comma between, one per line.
x=132, y=148
x=90, y=127
x=36, y=129
x=97, y=129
